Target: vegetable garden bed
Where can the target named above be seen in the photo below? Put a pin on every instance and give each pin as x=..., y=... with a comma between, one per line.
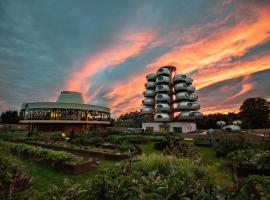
x=64, y=167
x=18, y=185
x=84, y=153
x=13, y=176
x=63, y=161
x=245, y=172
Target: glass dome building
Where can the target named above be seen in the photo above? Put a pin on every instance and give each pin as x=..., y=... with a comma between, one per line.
x=68, y=113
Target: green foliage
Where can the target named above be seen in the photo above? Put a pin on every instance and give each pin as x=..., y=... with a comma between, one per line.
x=262, y=185
x=132, y=119
x=46, y=154
x=251, y=158
x=203, y=141
x=226, y=145
x=210, y=121
x=11, y=173
x=184, y=150
x=255, y=112
x=253, y=186
x=9, y=117
x=151, y=177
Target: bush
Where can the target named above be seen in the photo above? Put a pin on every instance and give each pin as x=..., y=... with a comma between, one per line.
x=183, y=150
x=203, y=141
x=224, y=146
x=251, y=158
x=151, y=177
x=11, y=173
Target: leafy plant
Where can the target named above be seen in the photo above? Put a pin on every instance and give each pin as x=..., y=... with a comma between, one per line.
x=13, y=176
x=251, y=158
x=46, y=154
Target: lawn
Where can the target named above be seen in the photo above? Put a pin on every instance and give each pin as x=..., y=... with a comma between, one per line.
x=219, y=169
x=149, y=148
x=43, y=177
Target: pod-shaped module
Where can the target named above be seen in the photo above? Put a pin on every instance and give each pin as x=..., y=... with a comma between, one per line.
x=180, y=87
x=163, y=72
x=150, y=85
x=151, y=77
x=221, y=123
x=182, y=96
x=162, y=117
x=193, y=97
x=147, y=110
x=162, y=107
x=186, y=115
x=190, y=88
x=162, y=98
x=149, y=93
x=197, y=115
x=163, y=79
x=181, y=78
x=237, y=122
x=185, y=105
x=162, y=88
x=148, y=102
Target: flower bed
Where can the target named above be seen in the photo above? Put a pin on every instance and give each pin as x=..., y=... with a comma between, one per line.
x=63, y=161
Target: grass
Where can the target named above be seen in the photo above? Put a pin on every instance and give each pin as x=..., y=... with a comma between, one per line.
x=149, y=148
x=219, y=169
x=44, y=177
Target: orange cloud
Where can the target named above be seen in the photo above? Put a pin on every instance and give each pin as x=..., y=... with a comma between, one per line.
x=211, y=56
x=223, y=44
x=125, y=47
x=124, y=94
x=232, y=70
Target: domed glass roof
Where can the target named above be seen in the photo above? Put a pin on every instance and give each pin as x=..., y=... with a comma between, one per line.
x=70, y=97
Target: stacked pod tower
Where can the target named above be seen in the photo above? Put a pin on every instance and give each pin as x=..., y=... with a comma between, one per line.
x=167, y=94
x=185, y=98
x=164, y=111
x=149, y=96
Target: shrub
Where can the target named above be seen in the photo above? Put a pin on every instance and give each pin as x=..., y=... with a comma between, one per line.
x=151, y=177
x=11, y=175
x=183, y=150
x=251, y=158
x=224, y=146
x=203, y=141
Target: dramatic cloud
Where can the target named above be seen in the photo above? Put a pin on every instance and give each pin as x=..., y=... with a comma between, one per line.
x=210, y=59
x=105, y=50
x=110, y=56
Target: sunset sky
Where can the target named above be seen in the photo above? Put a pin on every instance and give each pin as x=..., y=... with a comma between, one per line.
x=104, y=49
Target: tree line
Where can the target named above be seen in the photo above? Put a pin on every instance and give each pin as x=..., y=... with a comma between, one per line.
x=9, y=117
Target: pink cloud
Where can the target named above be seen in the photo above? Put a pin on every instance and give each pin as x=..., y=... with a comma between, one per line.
x=125, y=46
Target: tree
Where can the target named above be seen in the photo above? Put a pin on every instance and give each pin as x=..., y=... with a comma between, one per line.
x=131, y=119
x=10, y=117
x=210, y=121
x=254, y=113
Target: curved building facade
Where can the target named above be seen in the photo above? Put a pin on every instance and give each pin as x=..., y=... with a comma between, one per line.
x=68, y=113
x=170, y=102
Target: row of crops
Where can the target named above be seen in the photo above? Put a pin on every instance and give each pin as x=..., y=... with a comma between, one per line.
x=178, y=171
